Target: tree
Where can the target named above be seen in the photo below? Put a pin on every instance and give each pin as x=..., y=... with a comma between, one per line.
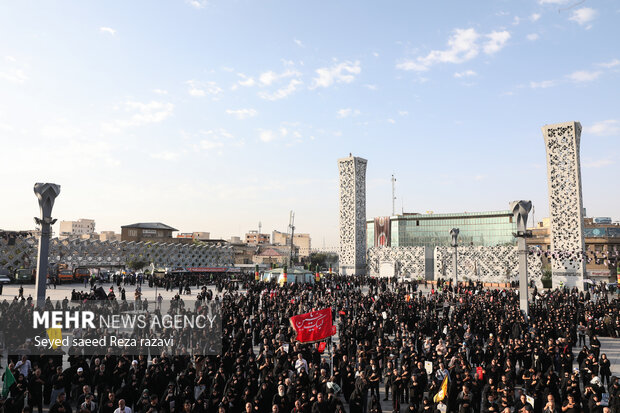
x=322, y=259
x=136, y=265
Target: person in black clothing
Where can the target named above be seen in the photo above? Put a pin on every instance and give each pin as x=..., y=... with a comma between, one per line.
x=397, y=386
x=320, y=405
x=374, y=377
x=58, y=384
x=61, y=405
x=82, y=397
x=77, y=383
x=521, y=403
x=465, y=400
x=35, y=390
x=281, y=400
x=416, y=391
x=375, y=405
x=361, y=387
x=355, y=402
x=348, y=382
x=571, y=405
x=614, y=395
x=605, y=370
x=595, y=346
x=388, y=379
x=108, y=404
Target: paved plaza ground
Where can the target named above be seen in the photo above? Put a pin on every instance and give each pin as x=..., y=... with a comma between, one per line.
x=64, y=290
x=609, y=346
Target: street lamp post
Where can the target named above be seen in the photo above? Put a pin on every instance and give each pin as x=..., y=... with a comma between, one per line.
x=46, y=194
x=520, y=210
x=153, y=278
x=454, y=233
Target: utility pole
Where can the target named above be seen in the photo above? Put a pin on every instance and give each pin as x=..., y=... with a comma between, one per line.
x=260, y=226
x=393, y=195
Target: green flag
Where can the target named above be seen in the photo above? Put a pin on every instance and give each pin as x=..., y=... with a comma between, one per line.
x=9, y=379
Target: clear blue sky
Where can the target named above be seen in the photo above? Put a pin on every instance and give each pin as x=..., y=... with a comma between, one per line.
x=214, y=115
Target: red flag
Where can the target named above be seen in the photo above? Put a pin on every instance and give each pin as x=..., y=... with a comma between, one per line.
x=313, y=326
x=322, y=345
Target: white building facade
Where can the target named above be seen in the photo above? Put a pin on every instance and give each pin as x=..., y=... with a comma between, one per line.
x=75, y=229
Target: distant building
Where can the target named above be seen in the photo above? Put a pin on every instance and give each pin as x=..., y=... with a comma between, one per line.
x=301, y=241
x=195, y=236
x=75, y=229
x=430, y=230
x=147, y=231
x=109, y=236
x=271, y=256
x=602, y=245
x=601, y=220
x=201, y=235
x=254, y=238
x=244, y=254
x=235, y=240
x=94, y=236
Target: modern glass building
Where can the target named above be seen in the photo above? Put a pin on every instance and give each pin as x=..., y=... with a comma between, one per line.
x=430, y=230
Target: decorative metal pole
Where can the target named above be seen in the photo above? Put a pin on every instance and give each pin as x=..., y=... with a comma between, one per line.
x=46, y=194
x=393, y=196
x=521, y=209
x=454, y=233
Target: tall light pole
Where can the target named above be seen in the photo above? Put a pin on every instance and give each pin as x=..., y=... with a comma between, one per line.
x=46, y=194
x=153, y=278
x=393, y=195
x=291, y=226
x=454, y=233
x=520, y=210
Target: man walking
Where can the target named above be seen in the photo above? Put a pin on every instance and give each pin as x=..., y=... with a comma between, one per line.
x=35, y=390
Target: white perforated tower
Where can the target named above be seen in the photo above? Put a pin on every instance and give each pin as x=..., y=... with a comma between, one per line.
x=352, y=224
x=565, y=203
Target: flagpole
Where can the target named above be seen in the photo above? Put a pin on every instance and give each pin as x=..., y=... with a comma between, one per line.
x=331, y=356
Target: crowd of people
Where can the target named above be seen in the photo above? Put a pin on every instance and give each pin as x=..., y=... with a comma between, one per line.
x=465, y=349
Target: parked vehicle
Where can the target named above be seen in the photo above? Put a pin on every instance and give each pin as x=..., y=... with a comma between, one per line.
x=80, y=273
x=65, y=275
x=24, y=275
x=4, y=279
x=293, y=276
x=160, y=273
